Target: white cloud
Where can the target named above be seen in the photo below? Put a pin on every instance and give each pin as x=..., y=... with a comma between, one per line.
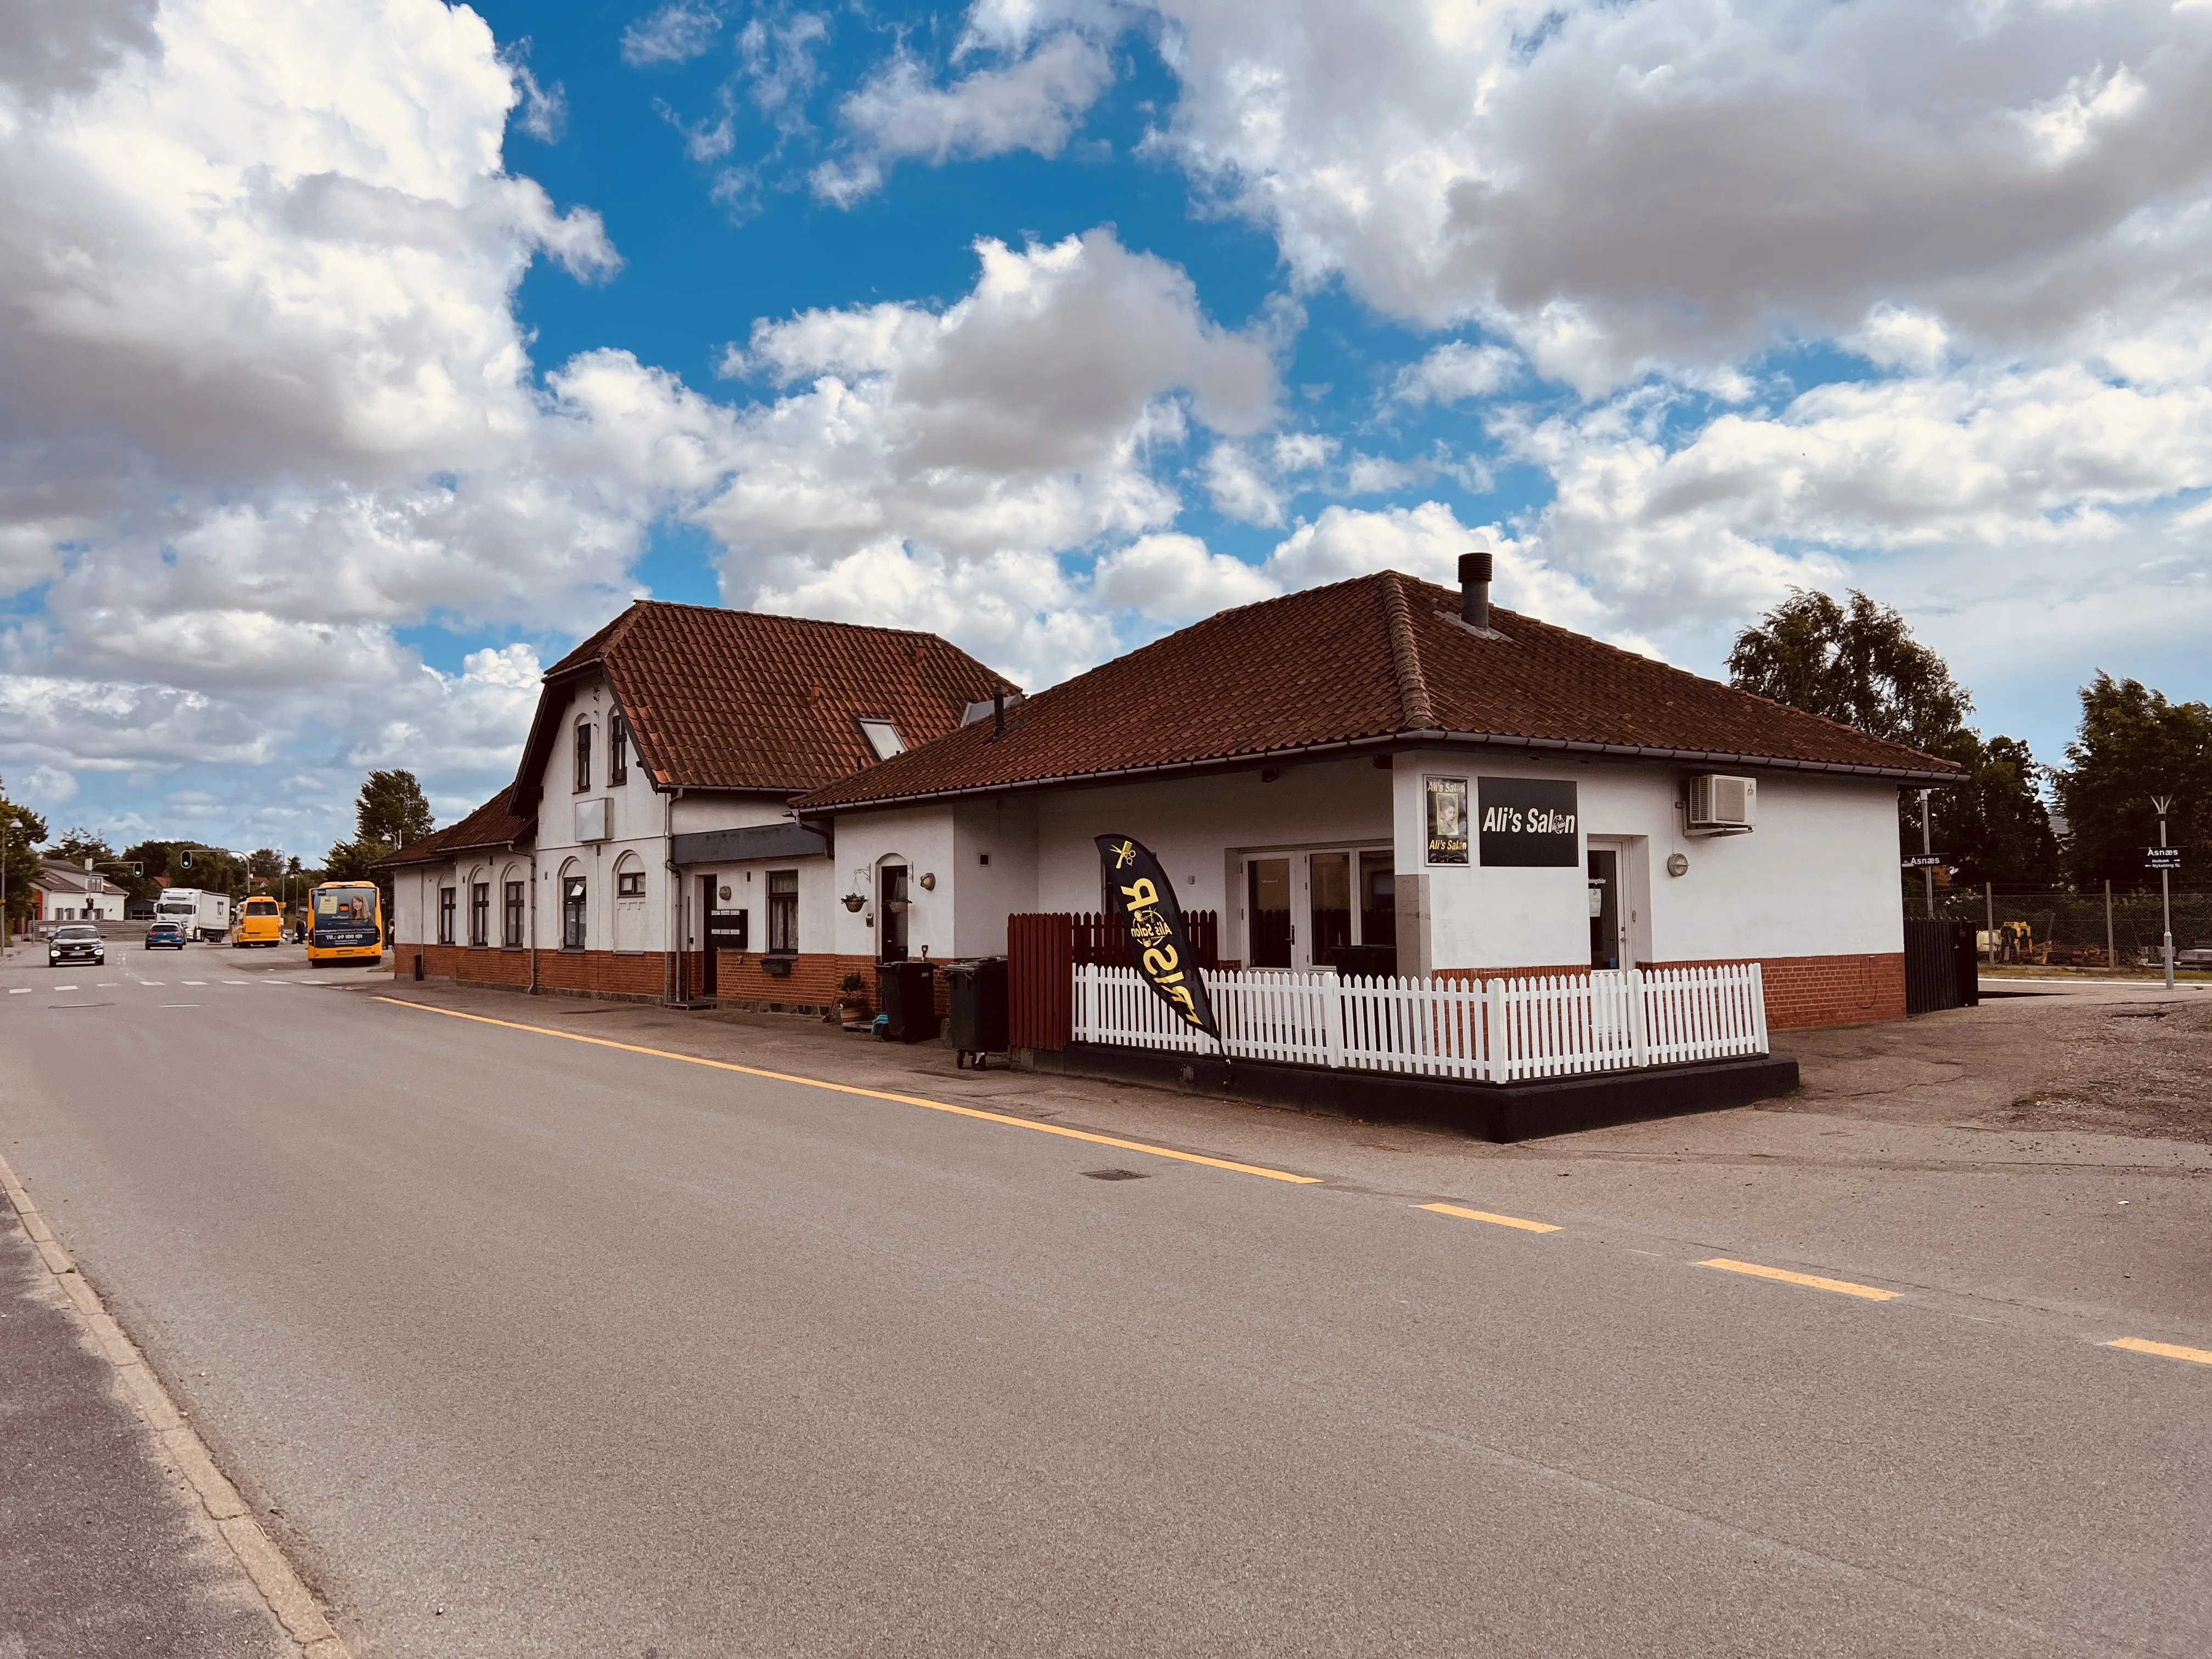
x=676, y=33
x=1033, y=103
x=1674, y=183
x=1175, y=578
x=1455, y=371
x=268, y=401
x=1238, y=490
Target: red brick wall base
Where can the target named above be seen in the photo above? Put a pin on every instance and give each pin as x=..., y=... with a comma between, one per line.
x=1802, y=991
x=811, y=987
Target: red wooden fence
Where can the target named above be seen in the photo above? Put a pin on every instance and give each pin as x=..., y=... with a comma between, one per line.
x=1042, y=951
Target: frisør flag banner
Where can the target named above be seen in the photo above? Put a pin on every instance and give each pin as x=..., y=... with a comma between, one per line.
x=1139, y=893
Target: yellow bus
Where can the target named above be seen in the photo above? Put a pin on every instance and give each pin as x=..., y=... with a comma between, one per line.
x=259, y=921
x=346, y=924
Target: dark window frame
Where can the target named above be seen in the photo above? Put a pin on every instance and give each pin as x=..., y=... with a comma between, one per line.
x=515, y=914
x=575, y=896
x=629, y=883
x=782, y=912
x=583, y=758
x=448, y=904
x=479, y=915
x=617, y=751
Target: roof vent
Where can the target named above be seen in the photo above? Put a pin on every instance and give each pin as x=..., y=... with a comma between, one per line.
x=1474, y=589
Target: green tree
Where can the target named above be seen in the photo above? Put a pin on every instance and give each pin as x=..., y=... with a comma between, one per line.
x=392, y=810
x=265, y=863
x=21, y=831
x=1995, y=825
x=2133, y=744
x=1859, y=665
x=76, y=844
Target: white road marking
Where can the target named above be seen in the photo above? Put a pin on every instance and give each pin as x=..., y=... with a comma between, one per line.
x=193, y=981
x=64, y=988
x=238, y=981
x=154, y=982
x=19, y=990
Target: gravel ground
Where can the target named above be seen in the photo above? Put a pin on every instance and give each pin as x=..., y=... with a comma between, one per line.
x=2118, y=1061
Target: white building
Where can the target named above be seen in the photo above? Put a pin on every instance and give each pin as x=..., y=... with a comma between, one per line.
x=1390, y=776
x=73, y=892
x=651, y=812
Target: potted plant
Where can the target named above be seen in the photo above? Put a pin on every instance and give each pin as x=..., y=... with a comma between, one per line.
x=853, y=1009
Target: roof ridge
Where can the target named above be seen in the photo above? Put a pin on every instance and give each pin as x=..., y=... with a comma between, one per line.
x=785, y=615
x=1682, y=673
x=1415, y=708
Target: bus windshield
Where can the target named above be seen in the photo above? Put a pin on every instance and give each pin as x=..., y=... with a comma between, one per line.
x=345, y=904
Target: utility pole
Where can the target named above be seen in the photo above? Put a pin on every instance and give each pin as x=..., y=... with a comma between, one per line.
x=1927, y=845
x=2159, y=803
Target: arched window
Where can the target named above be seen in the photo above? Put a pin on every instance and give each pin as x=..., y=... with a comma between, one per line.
x=583, y=755
x=573, y=901
x=479, y=908
x=630, y=902
x=514, y=909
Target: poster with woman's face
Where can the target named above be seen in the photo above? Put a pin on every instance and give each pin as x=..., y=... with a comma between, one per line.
x=1446, y=815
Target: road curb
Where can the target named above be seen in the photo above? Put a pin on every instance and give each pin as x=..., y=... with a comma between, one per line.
x=289, y=1599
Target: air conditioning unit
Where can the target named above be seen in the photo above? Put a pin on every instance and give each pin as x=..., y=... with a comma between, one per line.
x=1722, y=805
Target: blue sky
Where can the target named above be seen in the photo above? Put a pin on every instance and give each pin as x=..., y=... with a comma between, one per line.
x=368, y=357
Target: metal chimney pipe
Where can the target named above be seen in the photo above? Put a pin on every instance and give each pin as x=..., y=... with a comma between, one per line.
x=997, y=711
x=1474, y=589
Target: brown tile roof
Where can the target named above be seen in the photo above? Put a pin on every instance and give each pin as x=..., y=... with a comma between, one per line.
x=496, y=824
x=1378, y=662
x=739, y=700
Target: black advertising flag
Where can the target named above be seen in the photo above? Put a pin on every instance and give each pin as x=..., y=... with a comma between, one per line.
x=1140, y=893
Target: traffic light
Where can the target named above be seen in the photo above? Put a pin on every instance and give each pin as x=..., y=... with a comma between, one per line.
x=138, y=870
x=183, y=861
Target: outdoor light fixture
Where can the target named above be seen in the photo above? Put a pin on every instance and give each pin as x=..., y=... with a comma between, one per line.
x=929, y=882
x=1678, y=864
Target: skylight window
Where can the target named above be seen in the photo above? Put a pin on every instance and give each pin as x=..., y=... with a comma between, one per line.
x=883, y=737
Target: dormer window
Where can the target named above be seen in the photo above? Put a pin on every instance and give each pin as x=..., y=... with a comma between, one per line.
x=617, y=751
x=884, y=737
x=583, y=755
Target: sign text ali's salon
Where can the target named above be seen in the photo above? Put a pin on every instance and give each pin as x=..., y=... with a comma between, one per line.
x=1510, y=822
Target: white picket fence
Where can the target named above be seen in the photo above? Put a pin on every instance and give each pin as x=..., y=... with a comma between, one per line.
x=1491, y=1031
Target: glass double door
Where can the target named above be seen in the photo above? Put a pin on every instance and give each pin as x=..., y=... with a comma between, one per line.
x=1349, y=903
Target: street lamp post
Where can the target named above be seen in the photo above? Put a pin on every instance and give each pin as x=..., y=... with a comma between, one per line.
x=2159, y=803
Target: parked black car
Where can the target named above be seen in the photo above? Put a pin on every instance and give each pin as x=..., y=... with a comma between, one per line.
x=166, y=935
x=78, y=942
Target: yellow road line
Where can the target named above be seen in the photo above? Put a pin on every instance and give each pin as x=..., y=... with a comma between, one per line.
x=1494, y=1220
x=2168, y=1350
x=1841, y=1287
x=874, y=1094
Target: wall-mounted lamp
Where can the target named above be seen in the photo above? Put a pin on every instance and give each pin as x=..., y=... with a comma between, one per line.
x=1269, y=774
x=1678, y=864
x=929, y=882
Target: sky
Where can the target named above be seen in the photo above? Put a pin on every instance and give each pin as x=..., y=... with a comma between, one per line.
x=358, y=356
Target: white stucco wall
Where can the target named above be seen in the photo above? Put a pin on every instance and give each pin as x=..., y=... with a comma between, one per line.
x=923, y=839
x=1817, y=876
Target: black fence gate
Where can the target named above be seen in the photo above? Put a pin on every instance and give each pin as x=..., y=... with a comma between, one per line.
x=1941, y=969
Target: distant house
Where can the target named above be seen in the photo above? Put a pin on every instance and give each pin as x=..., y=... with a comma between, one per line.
x=651, y=810
x=72, y=892
x=1390, y=776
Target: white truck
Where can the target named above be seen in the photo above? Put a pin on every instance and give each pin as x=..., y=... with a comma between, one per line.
x=202, y=914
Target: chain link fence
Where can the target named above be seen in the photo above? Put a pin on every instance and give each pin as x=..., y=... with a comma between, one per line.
x=2059, y=927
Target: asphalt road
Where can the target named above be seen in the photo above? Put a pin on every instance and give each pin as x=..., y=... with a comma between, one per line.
x=525, y=1346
